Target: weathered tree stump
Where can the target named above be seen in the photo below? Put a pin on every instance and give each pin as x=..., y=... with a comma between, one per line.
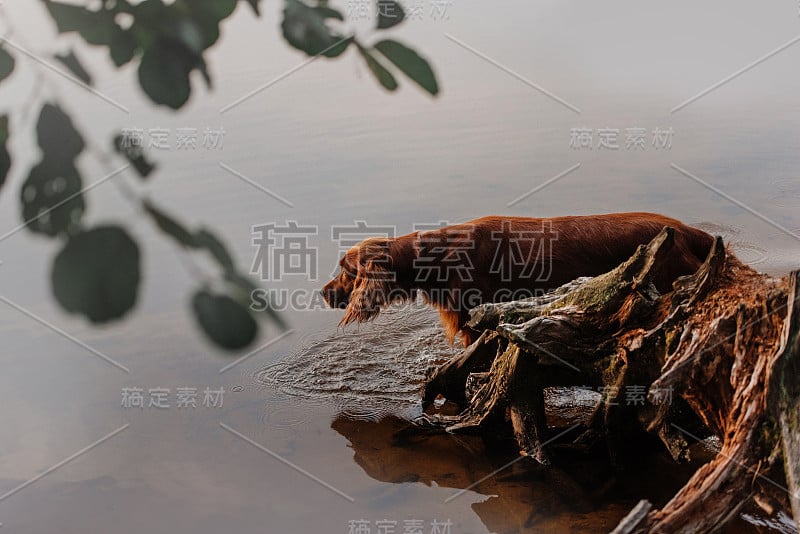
x=724, y=344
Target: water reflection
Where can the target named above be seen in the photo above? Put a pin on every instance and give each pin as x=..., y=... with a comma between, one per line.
x=581, y=492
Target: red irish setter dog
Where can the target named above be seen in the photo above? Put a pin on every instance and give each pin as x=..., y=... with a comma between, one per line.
x=499, y=258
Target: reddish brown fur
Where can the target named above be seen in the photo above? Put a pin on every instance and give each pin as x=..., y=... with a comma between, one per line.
x=455, y=268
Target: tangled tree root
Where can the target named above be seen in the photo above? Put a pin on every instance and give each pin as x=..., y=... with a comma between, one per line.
x=716, y=356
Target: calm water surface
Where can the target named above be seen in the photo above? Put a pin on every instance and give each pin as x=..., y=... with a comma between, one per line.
x=312, y=431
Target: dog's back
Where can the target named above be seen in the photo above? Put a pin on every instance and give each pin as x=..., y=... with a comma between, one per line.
x=514, y=254
x=548, y=252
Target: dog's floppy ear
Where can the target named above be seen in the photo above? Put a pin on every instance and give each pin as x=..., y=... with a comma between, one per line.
x=371, y=290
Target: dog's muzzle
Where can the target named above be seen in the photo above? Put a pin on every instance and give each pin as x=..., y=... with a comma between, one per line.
x=335, y=297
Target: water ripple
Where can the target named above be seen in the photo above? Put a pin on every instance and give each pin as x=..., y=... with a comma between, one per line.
x=367, y=371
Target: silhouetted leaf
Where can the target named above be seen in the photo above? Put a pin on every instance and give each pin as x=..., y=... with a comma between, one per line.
x=73, y=64
x=329, y=13
x=153, y=20
x=254, y=5
x=122, y=47
x=170, y=226
x=135, y=155
x=201, y=239
x=384, y=77
x=304, y=28
x=6, y=64
x=339, y=48
x=96, y=27
x=193, y=36
x=51, y=199
x=164, y=74
x=390, y=13
x=411, y=63
x=96, y=274
x=57, y=136
x=5, y=157
x=197, y=22
x=149, y=12
x=205, y=239
x=226, y=322
x=203, y=68
x=212, y=9
x=244, y=287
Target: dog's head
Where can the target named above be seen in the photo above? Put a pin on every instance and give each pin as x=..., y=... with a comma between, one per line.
x=368, y=280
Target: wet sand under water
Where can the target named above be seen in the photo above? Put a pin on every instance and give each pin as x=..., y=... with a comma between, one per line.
x=374, y=376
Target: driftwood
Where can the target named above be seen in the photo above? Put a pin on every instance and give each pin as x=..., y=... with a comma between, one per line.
x=717, y=356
